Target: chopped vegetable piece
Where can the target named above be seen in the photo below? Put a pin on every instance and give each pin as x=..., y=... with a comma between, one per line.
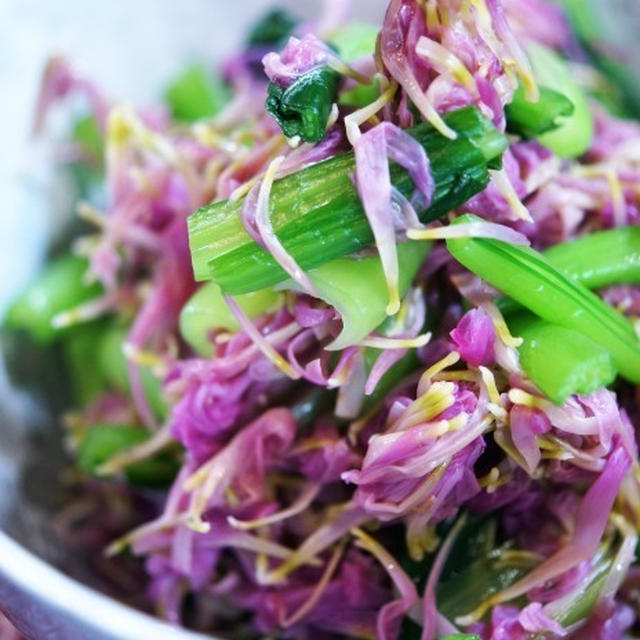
x=600, y=259
x=531, y=119
x=272, y=29
x=359, y=96
x=596, y=260
x=573, y=137
x=479, y=580
x=356, y=289
x=318, y=215
x=60, y=287
x=103, y=441
x=303, y=108
x=207, y=310
x=560, y=361
x=583, y=603
x=390, y=379
x=355, y=40
x=412, y=631
x=79, y=347
x=196, y=93
x=113, y=364
x=529, y=278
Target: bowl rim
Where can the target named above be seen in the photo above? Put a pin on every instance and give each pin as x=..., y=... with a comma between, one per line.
x=30, y=577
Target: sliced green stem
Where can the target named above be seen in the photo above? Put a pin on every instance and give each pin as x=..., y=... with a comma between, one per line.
x=207, y=311
x=112, y=363
x=559, y=361
x=529, y=278
x=596, y=260
x=573, y=133
x=103, y=441
x=60, y=287
x=531, y=119
x=600, y=259
x=318, y=216
x=356, y=289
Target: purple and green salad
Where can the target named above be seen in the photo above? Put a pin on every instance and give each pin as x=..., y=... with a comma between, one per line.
x=360, y=310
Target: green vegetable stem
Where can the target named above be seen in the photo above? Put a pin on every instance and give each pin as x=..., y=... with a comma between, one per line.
x=317, y=213
x=207, y=310
x=60, y=287
x=532, y=119
x=560, y=361
x=103, y=441
x=531, y=280
x=573, y=135
x=596, y=260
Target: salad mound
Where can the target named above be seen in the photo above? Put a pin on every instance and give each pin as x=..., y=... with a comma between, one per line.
x=358, y=315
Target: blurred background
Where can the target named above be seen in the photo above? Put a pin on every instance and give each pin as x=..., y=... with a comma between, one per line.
x=130, y=49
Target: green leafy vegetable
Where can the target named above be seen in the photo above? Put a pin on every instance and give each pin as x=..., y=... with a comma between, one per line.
x=318, y=216
x=560, y=361
x=103, y=441
x=356, y=288
x=355, y=40
x=272, y=29
x=79, y=348
x=60, y=287
x=303, y=108
x=360, y=96
x=573, y=135
x=207, y=310
x=113, y=364
x=196, y=93
x=532, y=119
x=529, y=278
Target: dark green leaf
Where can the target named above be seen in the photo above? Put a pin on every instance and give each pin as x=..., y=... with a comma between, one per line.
x=272, y=29
x=472, y=585
x=303, y=108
